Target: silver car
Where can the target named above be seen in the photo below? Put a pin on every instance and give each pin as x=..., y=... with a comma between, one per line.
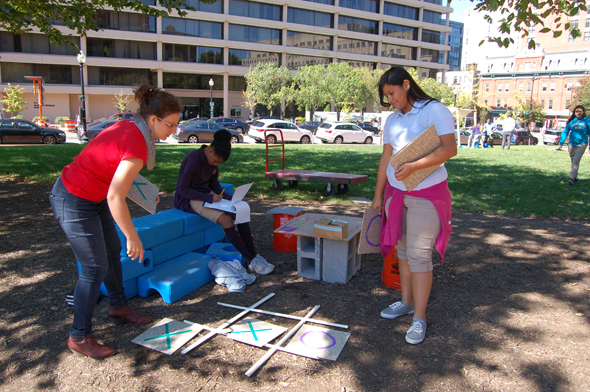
x=275, y=128
x=338, y=133
x=202, y=132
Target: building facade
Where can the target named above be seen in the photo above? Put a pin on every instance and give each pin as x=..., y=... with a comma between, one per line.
x=220, y=41
x=456, y=43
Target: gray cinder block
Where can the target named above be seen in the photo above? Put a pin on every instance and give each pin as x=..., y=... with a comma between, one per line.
x=340, y=260
x=309, y=257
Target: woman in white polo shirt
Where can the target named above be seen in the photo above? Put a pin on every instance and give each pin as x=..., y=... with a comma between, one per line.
x=415, y=221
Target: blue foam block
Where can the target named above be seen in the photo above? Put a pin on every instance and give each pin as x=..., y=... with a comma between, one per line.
x=229, y=188
x=130, y=286
x=132, y=268
x=214, y=234
x=178, y=247
x=225, y=252
x=154, y=230
x=193, y=223
x=177, y=277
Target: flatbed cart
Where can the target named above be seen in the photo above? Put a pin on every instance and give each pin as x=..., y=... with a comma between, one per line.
x=335, y=182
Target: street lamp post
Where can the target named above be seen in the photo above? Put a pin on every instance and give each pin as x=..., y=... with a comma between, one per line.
x=82, y=60
x=211, y=96
x=531, y=106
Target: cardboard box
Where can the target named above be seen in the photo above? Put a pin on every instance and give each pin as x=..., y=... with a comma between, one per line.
x=327, y=228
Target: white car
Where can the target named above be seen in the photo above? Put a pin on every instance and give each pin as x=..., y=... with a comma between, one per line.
x=340, y=132
x=290, y=131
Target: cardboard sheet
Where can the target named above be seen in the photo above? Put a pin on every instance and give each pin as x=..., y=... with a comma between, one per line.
x=167, y=336
x=144, y=193
x=421, y=146
x=303, y=225
x=370, y=232
x=255, y=332
x=311, y=341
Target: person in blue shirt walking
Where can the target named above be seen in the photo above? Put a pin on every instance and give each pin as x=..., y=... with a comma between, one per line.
x=578, y=128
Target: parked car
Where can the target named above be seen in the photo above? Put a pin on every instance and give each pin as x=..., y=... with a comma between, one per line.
x=94, y=128
x=369, y=127
x=291, y=132
x=23, y=131
x=552, y=136
x=231, y=123
x=202, y=132
x=522, y=136
x=337, y=132
x=310, y=126
x=496, y=137
x=123, y=116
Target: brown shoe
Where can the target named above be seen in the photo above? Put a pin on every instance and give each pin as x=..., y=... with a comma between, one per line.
x=122, y=315
x=89, y=347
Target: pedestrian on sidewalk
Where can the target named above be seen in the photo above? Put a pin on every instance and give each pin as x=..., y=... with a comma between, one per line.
x=507, y=127
x=578, y=128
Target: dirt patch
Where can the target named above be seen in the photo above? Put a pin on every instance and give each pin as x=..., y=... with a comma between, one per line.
x=509, y=311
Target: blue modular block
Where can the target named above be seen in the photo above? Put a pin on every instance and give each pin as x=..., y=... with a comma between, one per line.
x=130, y=286
x=178, y=247
x=202, y=250
x=193, y=223
x=225, y=252
x=177, y=277
x=214, y=234
x=229, y=188
x=132, y=268
x=154, y=230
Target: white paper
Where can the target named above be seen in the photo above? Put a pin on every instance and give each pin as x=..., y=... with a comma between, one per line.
x=235, y=205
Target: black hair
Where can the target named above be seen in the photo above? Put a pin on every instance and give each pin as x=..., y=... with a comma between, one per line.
x=396, y=76
x=153, y=101
x=222, y=143
x=574, y=113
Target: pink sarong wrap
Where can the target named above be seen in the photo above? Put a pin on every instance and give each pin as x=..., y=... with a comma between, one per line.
x=391, y=228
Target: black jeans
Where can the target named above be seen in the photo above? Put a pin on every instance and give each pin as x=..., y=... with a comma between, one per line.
x=90, y=228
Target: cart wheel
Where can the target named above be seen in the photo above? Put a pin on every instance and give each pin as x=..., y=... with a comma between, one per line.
x=342, y=188
x=293, y=183
x=329, y=190
x=277, y=185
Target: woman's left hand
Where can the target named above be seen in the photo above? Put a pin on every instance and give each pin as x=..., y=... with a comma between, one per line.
x=404, y=171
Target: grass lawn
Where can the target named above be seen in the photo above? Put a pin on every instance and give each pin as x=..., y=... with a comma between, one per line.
x=526, y=181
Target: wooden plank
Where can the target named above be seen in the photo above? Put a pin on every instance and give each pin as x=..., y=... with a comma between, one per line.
x=316, y=176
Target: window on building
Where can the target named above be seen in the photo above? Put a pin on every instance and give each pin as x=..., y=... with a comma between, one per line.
x=487, y=87
x=329, y=2
x=311, y=18
x=550, y=104
x=297, y=38
x=430, y=55
x=111, y=76
x=354, y=46
x=57, y=74
x=250, y=58
x=498, y=103
x=552, y=87
x=216, y=7
x=567, y=104
x=521, y=87
x=259, y=35
x=357, y=24
x=125, y=21
x=296, y=61
x=401, y=11
x=569, y=86
x=485, y=101
x=543, y=103
x=194, y=28
x=544, y=86
x=252, y=9
x=500, y=86
x=432, y=17
x=398, y=51
x=141, y=50
x=506, y=87
x=361, y=5
x=431, y=36
x=397, y=31
x=528, y=86
x=33, y=43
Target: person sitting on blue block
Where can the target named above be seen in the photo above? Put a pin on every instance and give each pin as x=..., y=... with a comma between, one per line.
x=198, y=183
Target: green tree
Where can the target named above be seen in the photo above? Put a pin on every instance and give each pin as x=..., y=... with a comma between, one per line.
x=339, y=83
x=269, y=84
x=250, y=100
x=307, y=91
x=522, y=14
x=121, y=101
x=13, y=99
x=366, y=96
x=22, y=16
x=581, y=94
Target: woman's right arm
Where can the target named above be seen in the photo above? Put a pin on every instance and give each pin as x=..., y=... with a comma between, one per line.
x=382, y=176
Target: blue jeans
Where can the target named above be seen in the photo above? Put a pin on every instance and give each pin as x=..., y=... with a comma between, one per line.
x=90, y=228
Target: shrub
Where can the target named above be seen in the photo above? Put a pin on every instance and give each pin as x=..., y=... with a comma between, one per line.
x=19, y=117
x=36, y=118
x=61, y=119
x=300, y=119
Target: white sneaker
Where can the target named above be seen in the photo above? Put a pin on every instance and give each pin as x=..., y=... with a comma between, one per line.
x=260, y=266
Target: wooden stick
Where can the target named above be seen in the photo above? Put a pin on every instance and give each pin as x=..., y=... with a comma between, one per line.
x=225, y=332
x=270, y=352
x=285, y=315
x=226, y=324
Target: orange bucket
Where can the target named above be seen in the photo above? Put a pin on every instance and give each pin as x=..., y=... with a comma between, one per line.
x=284, y=242
x=390, y=274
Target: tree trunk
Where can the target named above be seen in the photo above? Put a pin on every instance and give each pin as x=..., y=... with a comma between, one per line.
x=311, y=113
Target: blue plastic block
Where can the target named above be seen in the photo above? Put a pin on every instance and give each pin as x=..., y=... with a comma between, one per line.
x=130, y=286
x=154, y=230
x=214, y=234
x=202, y=250
x=177, y=277
x=229, y=188
x=193, y=223
x=225, y=252
x=132, y=268
x=178, y=247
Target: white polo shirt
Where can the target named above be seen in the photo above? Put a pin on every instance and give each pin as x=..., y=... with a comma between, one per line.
x=400, y=129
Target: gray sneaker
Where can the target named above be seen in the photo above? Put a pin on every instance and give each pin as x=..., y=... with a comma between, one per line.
x=397, y=309
x=417, y=332
x=260, y=266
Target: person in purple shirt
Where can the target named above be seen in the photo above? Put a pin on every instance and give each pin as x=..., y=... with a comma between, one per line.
x=198, y=183
x=475, y=136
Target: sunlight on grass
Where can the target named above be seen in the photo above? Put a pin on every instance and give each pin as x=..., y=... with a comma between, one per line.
x=526, y=181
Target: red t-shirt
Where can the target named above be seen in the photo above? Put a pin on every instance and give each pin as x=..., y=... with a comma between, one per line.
x=92, y=171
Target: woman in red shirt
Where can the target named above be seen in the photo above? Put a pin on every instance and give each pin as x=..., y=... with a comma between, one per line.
x=88, y=199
